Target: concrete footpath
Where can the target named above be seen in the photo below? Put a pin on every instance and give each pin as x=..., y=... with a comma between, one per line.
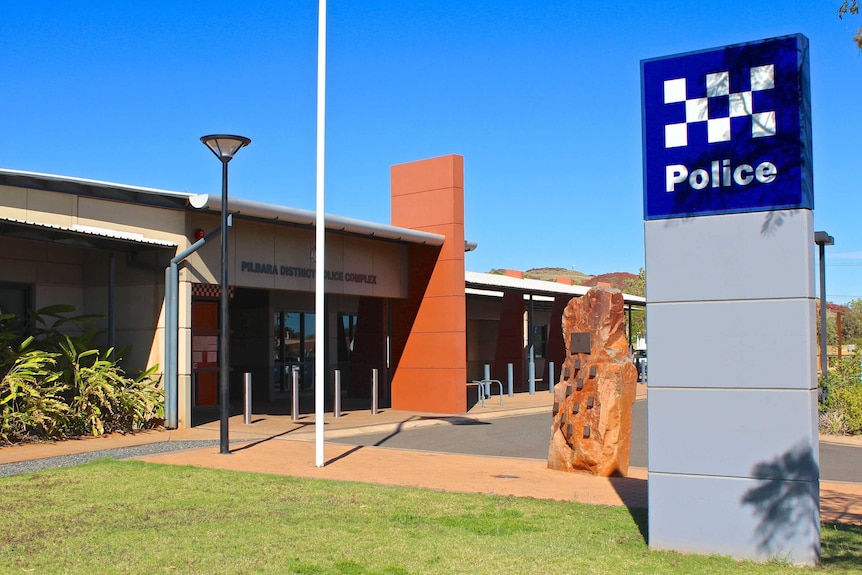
x=275, y=444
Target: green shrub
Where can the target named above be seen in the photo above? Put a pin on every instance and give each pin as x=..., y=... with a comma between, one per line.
x=102, y=398
x=31, y=401
x=54, y=385
x=841, y=411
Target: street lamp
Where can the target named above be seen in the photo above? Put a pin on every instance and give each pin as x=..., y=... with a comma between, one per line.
x=822, y=239
x=224, y=147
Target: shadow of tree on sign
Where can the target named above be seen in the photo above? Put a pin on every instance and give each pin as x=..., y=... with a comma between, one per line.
x=787, y=500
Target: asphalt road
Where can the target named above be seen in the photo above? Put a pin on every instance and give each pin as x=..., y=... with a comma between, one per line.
x=528, y=436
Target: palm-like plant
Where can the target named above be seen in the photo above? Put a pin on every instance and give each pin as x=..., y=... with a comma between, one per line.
x=31, y=394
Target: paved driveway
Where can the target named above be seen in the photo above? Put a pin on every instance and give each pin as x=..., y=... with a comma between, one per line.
x=527, y=437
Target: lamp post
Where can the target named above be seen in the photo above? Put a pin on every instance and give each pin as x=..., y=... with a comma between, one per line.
x=224, y=147
x=822, y=239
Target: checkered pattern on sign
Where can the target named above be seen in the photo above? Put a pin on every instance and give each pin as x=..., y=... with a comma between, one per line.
x=718, y=128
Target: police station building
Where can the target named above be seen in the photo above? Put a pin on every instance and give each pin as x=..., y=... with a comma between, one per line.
x=398, y=299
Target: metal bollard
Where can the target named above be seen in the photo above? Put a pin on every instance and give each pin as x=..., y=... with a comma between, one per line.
x=247, y=411
x=486, y=387
x=294, y=385
x=551, y=377
x=374, y=391
x=336, y=403
x=531, y=374
x=510, y=373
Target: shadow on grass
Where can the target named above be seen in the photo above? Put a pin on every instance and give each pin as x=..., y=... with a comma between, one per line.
x=633, y=493
x=841, y=545
x=641, y=518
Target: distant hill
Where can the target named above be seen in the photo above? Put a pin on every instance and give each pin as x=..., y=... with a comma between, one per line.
x=615, y=279
x=551, y=274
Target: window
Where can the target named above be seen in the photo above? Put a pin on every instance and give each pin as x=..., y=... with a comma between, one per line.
x=540, y=339
x=346, y=336
x=15, y=298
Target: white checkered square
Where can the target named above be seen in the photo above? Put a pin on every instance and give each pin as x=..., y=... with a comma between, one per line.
x=674, y=91
x=696, y=110
x=739, y=105
x=762, y=78
x=718, y=130
x=763, y=124
x=717, y=84
x=676, y=135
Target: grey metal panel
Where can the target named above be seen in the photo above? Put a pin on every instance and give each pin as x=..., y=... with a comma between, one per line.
x=746, y=344
x=738, y=256
x=739, y=433
x=744, y=518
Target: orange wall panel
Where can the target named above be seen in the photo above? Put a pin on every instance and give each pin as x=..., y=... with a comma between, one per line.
x=430, y=343
x=432, y=174
x=434, y=350
x=432, y=390
x=447, y=280
x=442, y=206
x=433, y=308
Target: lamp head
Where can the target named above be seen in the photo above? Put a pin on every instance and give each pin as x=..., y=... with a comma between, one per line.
x=823, y=239
x=225, y=146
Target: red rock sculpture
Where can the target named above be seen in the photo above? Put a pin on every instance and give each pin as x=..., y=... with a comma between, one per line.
x=598, y=382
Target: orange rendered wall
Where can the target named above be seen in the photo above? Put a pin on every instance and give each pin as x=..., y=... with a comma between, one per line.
x=430, y=327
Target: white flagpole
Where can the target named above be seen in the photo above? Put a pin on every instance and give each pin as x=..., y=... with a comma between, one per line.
x=320, y=249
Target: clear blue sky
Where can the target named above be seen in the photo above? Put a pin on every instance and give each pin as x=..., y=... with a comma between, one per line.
x=542, y=98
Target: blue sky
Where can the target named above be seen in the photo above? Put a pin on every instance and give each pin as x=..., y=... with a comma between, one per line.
x=542, y=98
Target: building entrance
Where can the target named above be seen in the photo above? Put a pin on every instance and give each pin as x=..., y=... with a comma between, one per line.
x=294, y=351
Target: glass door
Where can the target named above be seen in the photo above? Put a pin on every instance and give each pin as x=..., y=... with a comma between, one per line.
x=294, y=349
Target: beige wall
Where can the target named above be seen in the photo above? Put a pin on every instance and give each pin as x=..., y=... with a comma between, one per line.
x=65, y=274
x=68, y=210
x=276, y=257
x=55, y=270
x=79, y=276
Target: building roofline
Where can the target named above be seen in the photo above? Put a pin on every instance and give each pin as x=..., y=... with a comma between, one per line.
x=497, y=282
x=189, y=201
x=300, y=217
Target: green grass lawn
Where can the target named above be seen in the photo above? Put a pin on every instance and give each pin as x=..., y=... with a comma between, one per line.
x=133, y=517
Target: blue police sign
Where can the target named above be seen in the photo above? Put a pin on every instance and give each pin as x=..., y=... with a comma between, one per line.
x=727, y=130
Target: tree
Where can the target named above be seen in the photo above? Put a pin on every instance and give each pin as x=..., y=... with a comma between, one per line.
x=637, y=286
x=851, y=322
x=851, y=8
x=831, y=325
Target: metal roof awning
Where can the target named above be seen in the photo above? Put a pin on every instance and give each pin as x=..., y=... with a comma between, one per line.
x=494, y=284
x=96, y=188
x=296, y=216
x=188, y=201
x=78, y=235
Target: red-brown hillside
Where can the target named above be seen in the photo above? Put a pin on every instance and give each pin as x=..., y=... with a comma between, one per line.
x=615, y=279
